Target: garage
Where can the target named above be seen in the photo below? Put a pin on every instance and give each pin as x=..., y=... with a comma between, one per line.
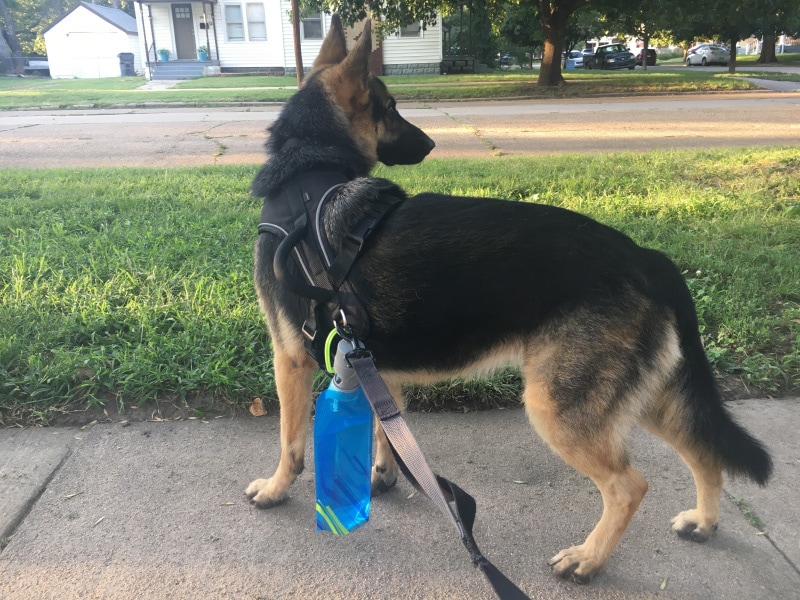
x=87, y=43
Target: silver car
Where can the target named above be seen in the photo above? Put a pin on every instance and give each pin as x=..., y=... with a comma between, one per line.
x=707, y=54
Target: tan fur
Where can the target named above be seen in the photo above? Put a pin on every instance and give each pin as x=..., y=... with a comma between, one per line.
x=294, y=376
x=666, y=420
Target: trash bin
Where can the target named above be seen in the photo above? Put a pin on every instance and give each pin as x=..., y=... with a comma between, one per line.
x=126, y=64
x=571, y=63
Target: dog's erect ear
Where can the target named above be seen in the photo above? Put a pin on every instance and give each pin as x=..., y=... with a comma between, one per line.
x=356, y=65
x=334, y=47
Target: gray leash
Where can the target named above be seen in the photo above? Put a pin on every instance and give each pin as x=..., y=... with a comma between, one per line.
x=457, y=505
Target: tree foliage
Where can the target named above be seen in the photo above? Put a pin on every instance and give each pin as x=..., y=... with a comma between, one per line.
x=518, y=29
x=389, y=14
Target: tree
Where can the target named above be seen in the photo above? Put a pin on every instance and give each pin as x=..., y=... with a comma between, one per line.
x=554, y=16
x=10, y=34
x=517, y=28
x=388, y=15
x=582, y=25
x=644, y=19
x=732, y=20
x=772, y=18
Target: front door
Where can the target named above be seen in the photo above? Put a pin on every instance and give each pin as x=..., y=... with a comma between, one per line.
x=183, y=24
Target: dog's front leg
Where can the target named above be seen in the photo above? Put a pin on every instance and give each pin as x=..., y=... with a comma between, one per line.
x=384, y=471
x=294, y=375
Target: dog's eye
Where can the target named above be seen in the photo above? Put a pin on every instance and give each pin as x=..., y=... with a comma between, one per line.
x=391, y=108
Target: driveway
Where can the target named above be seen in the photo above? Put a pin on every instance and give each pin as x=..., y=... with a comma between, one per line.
x=172, y=137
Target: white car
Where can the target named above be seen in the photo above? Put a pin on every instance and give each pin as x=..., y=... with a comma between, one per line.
x=706, y=54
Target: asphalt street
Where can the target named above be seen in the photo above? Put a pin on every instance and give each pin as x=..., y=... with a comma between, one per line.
x=187, y=136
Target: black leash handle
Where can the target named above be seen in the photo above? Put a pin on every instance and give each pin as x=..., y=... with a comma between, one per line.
x=452, y=501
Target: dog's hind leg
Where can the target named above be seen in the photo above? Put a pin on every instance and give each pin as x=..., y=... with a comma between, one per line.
x=294, y=375
x=668, y=420
x=600, y=454
x=384, y=471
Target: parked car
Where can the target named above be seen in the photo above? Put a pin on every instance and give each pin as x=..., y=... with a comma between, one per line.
x=707, y=54
x=651, y=57
x=610, y=56
x=577, y=57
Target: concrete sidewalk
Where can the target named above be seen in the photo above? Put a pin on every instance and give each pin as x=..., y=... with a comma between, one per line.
x=155, y=510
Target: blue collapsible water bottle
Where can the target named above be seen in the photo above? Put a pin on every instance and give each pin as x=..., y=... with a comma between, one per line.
x=342, y=450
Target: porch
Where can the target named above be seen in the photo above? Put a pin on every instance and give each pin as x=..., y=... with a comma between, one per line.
x=182, y=69
x=179, y=38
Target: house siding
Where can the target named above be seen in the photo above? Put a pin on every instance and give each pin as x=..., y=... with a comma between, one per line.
x=233, y=54
x=265, y=54
x=84, y=45
x=157, y=22
x=308, y=48
x=421, y=54
x=414, y=55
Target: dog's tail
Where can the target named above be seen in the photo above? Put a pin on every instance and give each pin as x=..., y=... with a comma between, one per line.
x=709, y=423
x=712, y=424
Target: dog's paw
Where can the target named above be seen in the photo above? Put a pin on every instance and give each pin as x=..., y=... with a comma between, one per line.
x=383, y=479
x=262, y=493
x=690, y=526
x=576, y=563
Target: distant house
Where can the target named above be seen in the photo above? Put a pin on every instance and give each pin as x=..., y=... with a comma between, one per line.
x=86, y=43
x=243, y=36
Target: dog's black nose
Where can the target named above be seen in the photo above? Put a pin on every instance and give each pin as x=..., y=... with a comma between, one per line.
x=431, y=143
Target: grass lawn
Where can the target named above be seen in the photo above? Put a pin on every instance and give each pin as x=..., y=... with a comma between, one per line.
x=130, y=286
x=33, y=92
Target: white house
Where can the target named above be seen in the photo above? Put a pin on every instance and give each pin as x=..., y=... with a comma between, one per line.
x=256, y=36
x=86, y=43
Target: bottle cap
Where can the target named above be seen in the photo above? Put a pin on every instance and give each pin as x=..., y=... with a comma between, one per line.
x=345, y=377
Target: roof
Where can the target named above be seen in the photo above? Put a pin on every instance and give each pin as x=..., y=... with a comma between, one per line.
x=118, y=18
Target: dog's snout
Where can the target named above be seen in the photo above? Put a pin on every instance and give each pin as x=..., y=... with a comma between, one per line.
x=431, y=143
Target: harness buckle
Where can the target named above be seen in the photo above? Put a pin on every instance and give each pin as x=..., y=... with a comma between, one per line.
x=309, y=330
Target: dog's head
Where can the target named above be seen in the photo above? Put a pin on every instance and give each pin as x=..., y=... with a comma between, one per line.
x=364, y=102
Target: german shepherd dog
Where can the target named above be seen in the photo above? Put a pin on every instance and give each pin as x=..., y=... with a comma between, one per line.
x=604, y=331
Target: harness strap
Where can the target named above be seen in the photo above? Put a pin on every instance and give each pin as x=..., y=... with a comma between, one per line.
x=296, y=214
x=456, y=504
x=352, y=243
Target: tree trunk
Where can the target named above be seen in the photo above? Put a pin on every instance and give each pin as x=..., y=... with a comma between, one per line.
x=767, y=51
x=550, y=68
x=646, y=44
x=298, y=53
x=10, y=37
x=732, y=61
x=553, y=15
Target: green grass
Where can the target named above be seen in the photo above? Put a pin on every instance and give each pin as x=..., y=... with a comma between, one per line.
x=30, y=92
x=783, y=59
x=132, y=285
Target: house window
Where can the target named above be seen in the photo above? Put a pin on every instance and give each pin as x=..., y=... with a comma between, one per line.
x=312, y=28
x=239, y=29
x=256, y=23
x=234, y=24
x=413, y=30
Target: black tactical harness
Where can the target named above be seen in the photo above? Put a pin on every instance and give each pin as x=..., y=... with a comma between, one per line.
x=296, y=214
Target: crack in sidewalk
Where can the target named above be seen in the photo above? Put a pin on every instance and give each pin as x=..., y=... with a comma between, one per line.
x=757, y=523
x=8, y=534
